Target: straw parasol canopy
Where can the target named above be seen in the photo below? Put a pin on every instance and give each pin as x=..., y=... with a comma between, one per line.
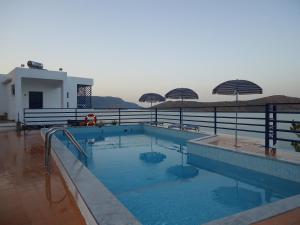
x=182, y=93
x=237, y=87
x=151, y=98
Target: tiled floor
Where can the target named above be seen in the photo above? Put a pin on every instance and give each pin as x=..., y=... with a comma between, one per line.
x=28, y=196
x=290, y=218
x=252, y=146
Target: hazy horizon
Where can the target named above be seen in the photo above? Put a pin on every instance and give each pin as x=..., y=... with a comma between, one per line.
x=133, y=47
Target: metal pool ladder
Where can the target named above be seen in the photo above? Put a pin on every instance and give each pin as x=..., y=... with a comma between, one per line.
x=48, y=138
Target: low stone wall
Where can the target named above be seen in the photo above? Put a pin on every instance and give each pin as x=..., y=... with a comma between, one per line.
x=7, y=126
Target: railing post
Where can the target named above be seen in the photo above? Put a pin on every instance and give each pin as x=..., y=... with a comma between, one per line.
x=24, y=120
x=274, y=109
x=119, y=116
x=180, y=118
x=76, y=114
x=267, y=127
x=155, y=116
x=215, y=120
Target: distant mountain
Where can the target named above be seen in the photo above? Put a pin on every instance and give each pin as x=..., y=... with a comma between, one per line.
x=224, y=105
x=111, y=102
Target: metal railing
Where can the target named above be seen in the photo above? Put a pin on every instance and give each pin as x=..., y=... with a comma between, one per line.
x=268, y=121
x=48, y=142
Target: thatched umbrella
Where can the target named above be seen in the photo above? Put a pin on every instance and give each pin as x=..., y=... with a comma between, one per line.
x=237, y=87
x=151, y=98
x=182, y=93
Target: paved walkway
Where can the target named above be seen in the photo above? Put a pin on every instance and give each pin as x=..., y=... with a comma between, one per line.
x=254, y=146
x=27, y=195
x=289, y=218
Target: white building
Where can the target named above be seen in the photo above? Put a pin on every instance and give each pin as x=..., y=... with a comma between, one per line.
x=39, y=88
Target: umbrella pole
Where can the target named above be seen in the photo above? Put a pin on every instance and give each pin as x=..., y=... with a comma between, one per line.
x=151, y=113
x=181, y=156
x=236, y=118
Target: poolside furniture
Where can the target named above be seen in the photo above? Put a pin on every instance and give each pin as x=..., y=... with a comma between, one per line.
x=157, y=123
x=74, y=123
x=153, y=123
x=184, y=127
x=191, y=127
x=175, y=126
x=3, y=117
x=100, y=123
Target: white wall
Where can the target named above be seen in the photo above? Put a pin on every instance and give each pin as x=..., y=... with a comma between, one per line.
x=53, y=84
x=42, y=74
x=3, y=95
x=11, y=106
x=72, y=88
x=51, y=91
x=11, y=99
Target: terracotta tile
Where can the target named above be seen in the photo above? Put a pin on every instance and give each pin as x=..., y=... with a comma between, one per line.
x=253, y=145
x=25, y=188
x=15, y=217
x=290, y=218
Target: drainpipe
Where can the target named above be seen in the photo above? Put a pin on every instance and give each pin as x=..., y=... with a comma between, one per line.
x=18, y=124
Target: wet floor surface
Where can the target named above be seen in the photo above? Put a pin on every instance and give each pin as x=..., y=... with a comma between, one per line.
x=290, y=218
x=28, y=196
x=251, y=145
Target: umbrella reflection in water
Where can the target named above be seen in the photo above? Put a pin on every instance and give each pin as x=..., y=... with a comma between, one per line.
x=183, y=171
x=152, y=157
x=237, y=197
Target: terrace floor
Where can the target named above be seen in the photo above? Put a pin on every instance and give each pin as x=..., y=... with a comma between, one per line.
x=254, y=146
x=28, y=196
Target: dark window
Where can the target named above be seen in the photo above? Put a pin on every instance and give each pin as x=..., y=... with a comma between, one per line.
x=67, y=94
x=67, y=104
x=35, y=100
x=13, y=89
x=84, y=96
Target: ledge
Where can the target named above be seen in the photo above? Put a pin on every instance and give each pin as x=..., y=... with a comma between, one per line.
x=96, y=203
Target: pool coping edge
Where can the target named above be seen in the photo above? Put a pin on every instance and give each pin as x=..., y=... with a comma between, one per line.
x=89, y=198
x=260, y=213
x=250, y=216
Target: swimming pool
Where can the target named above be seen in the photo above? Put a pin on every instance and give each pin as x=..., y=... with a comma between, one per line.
x=152, y=174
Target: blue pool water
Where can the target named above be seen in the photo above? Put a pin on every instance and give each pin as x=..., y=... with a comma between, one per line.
x=155, y=178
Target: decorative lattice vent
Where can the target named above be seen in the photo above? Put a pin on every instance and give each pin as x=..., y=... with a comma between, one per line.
x=84, y=96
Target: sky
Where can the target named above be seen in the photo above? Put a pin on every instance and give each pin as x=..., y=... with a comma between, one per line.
x=131, y=47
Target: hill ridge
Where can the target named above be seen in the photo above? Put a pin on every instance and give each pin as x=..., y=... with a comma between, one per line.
x=243, y=103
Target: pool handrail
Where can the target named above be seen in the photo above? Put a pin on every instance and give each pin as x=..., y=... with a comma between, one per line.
x=48, y=138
